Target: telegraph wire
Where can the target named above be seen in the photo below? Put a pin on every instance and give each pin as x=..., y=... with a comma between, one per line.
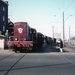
x=66, y=8
x=61, y=7
x=69, y=6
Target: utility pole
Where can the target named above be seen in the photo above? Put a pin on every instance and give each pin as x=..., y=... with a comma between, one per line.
x=53, y=31
x=63, y=31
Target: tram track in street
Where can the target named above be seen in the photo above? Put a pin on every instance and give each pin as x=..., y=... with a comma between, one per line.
x=66, y=58
x=6, y=56
x=15, y=64
x=12, y=62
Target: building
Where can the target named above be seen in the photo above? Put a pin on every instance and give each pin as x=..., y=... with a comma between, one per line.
x=10, y=27
x=3, y=16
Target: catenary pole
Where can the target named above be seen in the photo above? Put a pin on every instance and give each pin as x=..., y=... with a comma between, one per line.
x=63, y=31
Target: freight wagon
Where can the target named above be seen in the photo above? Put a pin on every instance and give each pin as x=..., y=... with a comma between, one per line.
x=40, y=40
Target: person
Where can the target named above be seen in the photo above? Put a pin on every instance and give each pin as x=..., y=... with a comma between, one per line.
x=61, y=46
x=6, y=34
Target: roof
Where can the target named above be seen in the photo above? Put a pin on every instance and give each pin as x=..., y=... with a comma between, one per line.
x=5, y=2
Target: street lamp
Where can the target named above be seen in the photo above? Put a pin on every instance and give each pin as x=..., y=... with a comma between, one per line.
x=68, y=17
x=64, y=28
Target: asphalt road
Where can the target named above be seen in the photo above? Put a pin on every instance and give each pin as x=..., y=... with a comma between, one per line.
x=46, y=62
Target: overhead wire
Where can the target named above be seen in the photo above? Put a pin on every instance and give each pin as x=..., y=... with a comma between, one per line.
x=66, y=8
x=60, y=9
x=69, y=5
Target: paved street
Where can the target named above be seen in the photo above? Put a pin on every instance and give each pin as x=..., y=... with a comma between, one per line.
x=46, y=62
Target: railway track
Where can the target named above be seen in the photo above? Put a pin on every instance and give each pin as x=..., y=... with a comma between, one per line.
x=19, y=57
x=6, y=56
x=15, y=63
x=7, y=70
x=64, y=57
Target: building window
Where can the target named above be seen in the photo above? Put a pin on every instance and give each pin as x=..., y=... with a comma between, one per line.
x=3, y=8
x=3, y=28
x=3, y=18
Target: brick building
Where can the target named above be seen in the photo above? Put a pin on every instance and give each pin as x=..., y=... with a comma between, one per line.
x=3, y=16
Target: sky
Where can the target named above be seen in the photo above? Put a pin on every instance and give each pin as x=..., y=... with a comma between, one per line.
x=43, y=15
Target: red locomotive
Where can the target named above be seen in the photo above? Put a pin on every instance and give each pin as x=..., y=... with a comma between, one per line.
x=24, y=37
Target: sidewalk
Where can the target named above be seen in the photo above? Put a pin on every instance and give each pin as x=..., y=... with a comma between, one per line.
x=5, y=50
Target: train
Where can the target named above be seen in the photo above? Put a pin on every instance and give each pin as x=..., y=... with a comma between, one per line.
x=25, y=38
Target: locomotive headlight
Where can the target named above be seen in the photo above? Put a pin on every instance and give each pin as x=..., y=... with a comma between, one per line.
x=16, y=39
x=24, y=39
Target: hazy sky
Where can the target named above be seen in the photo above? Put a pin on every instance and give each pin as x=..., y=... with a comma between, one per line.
x=43, y=14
